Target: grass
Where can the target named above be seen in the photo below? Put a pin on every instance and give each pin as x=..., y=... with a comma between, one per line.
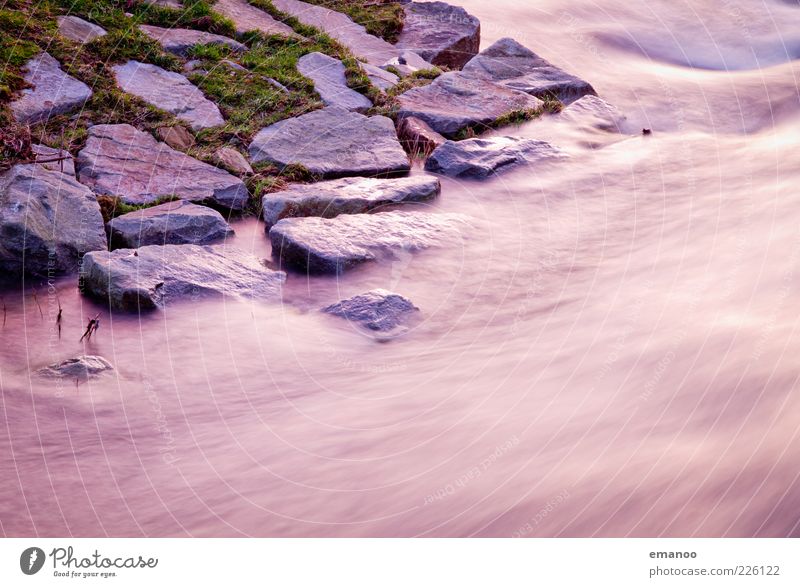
x=113, y=206
x=382, y=19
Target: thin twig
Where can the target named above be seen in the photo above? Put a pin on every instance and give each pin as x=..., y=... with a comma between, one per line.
x=38, y=305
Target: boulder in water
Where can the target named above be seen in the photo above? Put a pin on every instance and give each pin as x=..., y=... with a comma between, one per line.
x=377, y=310
x=80, y=368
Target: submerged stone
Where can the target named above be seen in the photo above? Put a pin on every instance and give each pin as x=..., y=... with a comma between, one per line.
x=378, y=310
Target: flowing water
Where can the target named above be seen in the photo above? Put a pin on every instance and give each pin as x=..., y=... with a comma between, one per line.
x=610, y=350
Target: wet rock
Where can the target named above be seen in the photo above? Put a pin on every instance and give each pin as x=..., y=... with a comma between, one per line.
x=54, y=159
x=593, y=112
x=330, y=82
x=80, y=368
x=479, y=158
x=52, y=92
x=233, y=161
x=517, y=67
x=440, y=33
x=78, y=30
x=377, y=310
x=247, y=17
x=173, y=223
x=179, y=41
x=332, y=142
x=155, y=276
x=168, y=91
x=333, y=245
x=417, y=137
x=47, y=221
x=350, y=195
x=176, y=137
x=454, y=101
x=380, y=78
x=119, y=160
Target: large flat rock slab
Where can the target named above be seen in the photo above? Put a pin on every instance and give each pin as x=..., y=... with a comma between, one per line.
x=350, y=195
x=52, y=91
x=378, y=310
x=79, y=30
x=47, y=221
x=173, y=223
x=155, y=276
x=340, y=26
x=247, y=17
x=328, y=75
x=179, y=41
x=332, y=142
x=454, y=101
x=168, y=91
x=333, y=245
x=479, y=158
x=517, y=67
x=119, y=160
x=440, y=33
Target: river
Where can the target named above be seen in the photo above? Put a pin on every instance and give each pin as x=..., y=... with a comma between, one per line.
x=610, y=349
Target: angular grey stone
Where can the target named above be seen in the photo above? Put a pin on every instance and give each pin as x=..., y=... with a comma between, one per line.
x=330, y=82
x=332, y=142
x=119, y=160
x=168, y=91
x=47, y=221
x=247, y=17
x=440, y=33
x=478, y=158
x=155, y=276
x=81, y=368
x=54, y=159
x=179, y=41
x=378, y=310
x=417, y=136
x=592, y=111
x=233, y=161
x=176, y=137
x=53, y=92
x=173, y=4
x=78, y=30
x=407, y=62
x=454, y=101
x=380, y=78
x=517, y=67
x=172, y=223
x=349, y=195
x=333, y=245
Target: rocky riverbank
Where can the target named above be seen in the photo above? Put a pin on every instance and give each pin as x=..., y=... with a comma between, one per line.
x=133, y=136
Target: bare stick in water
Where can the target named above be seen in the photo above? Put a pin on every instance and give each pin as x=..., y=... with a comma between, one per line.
x=38, y=305
x=58, y=318
x=90, y=328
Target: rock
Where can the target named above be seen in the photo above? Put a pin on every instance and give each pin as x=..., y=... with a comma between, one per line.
x=378, y=310
x=179, y=41
x=247, y=17
x=176, y=137
x=454, y=101
x=168, y=91
x=407, y=62
x=380, y=78
x=155, y=276
x=478, y=158
x=47, y=221
x=417, y=137
x=594, y=112
x=53, y=92
x=192, y=66
x=173, y=223
x=78, y=30
x=332, y=142
x=349, y=195
x=54, y=159
x=173, y=4
x=340, y=27
x=517, y=67
x=120, y=160
x=330, y=82
x=233, y=161
x=333, y=245
x=277, y=85
x=440, y=33
x=80, y=368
